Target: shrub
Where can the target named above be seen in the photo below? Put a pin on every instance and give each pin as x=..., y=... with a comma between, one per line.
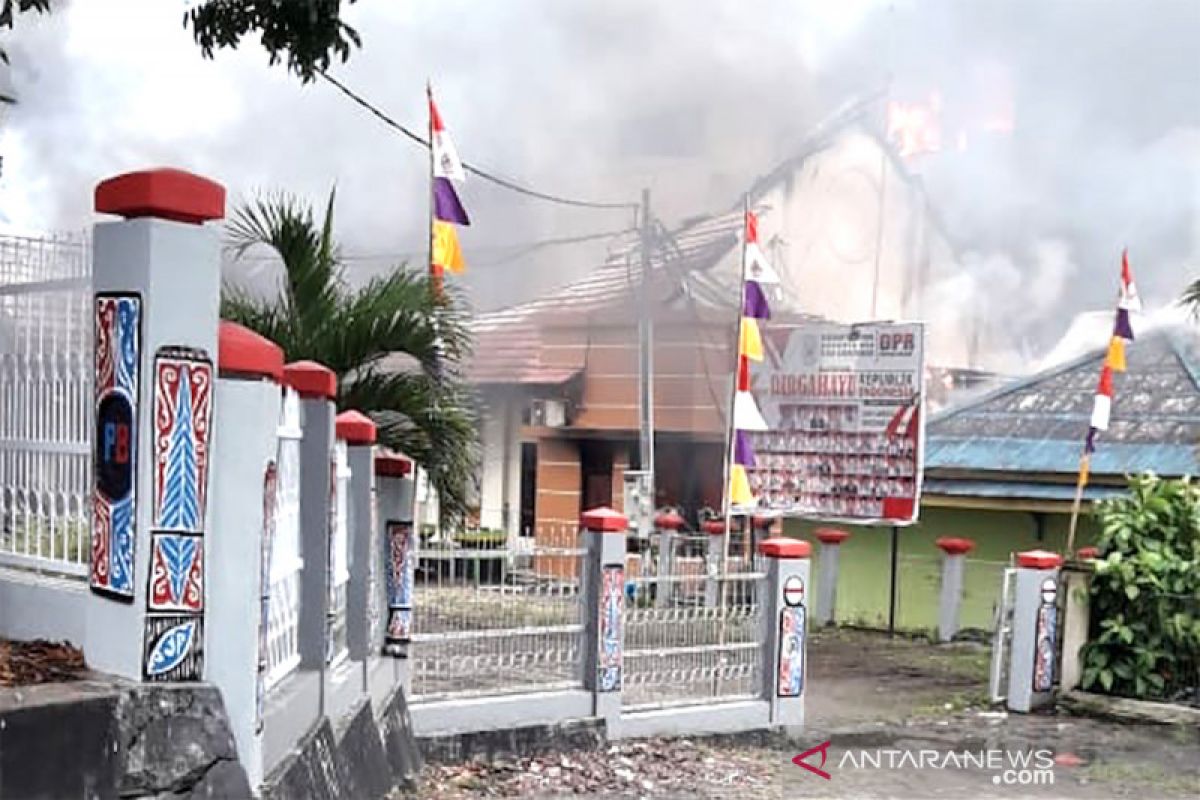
x=1145, y=595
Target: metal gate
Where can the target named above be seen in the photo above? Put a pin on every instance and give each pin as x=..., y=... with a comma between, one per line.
x=497, y=620
x=692, y=636
x=46, y=415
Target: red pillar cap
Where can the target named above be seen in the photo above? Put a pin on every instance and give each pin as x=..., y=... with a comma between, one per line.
x=713, y=526
x=311, y=379
x=832, y=535
x=1039, y=559
x=241, y=351
x=954, y=546
x=1086, y=553
x=389, y=464
x=784, y=547
x=669, y=521
x=164, y=193
x=604, y=519
x=354, y=427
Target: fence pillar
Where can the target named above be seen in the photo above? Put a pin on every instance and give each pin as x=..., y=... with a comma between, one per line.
x=396, y=479
x=953, y=566
x=358, y=432
x=239, y=544
x=1034, y=630
x=156, y=278
x=317, y=387
x=668, y=525
x=1076, y=583
x=831, y=547
x=785, y=617
x=713, y=559
x=603, y=587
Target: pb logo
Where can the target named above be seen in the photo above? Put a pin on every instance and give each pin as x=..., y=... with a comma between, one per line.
x=898, y=343
x=114, y=446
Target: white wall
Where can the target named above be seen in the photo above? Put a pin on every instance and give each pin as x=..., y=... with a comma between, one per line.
x=500, y=408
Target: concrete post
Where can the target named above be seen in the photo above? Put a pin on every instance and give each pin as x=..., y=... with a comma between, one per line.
x=1076, y=583
x=156, y=277
x=1034, y=627
x=785, y=607
x=953, y=567
x=668, y=525
x=714, y=556
x=603, y=586
x=317, y=387
x=831, y=546
x=396, y=550
x=239, y=544
x=358, y=432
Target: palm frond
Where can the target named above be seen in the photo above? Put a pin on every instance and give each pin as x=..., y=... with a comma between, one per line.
x=1191, y=298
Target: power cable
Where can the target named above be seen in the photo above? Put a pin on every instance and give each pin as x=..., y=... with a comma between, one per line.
x=486, y=175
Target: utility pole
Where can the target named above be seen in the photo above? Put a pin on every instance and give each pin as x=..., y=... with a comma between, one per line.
x=646, y=355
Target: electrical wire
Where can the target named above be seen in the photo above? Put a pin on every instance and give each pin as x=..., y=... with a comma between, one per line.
x=486, y=175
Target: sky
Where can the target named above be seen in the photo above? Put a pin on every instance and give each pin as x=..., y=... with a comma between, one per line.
x=1070, y=129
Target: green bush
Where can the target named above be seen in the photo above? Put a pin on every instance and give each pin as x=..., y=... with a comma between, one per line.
x=1145, y=595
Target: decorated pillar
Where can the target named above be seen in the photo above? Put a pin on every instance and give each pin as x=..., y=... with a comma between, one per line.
x=238, y=551
x=156, y=278
x=953, y=566
x=785, y=662
x=317, y=387
x=1031, y=670
x=604, y=532
x=358, y=431
x=396, y=479
x=831, y=547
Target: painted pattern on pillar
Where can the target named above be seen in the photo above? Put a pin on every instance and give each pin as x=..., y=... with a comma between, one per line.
x=174, y=648
x=114, y=495
x=174, y=626
x=612, y=616
x=400, y=575
x=182, y=413
x=269, y=501
x=791, y=651
x=1044, y=644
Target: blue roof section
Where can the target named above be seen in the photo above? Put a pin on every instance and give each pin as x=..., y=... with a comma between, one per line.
x=1016, y=490
x=1037, y=424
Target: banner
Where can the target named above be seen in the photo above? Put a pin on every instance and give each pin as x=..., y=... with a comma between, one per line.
x=844, y=408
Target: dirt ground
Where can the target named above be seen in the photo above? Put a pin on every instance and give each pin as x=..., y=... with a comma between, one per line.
x=870, y=697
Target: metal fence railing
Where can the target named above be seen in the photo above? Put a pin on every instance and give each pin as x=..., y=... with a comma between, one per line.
x=687, y=641
x=46, y=413
x=497, y=620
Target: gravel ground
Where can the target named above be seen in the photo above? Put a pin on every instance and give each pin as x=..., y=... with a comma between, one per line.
x=867, y=695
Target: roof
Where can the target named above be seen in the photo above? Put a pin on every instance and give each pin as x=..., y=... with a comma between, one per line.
x=1037, y=424
x=1023, y=490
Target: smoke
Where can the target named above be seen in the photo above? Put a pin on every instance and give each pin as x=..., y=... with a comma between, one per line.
x=1081, y=123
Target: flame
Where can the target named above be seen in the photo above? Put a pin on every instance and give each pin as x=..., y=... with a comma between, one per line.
x=915, y=128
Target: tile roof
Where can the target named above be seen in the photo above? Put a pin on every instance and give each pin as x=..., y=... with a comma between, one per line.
x=1037, y=424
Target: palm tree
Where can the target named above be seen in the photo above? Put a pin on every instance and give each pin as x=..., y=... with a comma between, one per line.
x=422, y=406
x=1191, y=297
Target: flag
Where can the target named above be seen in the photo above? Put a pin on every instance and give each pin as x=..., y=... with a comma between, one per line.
x=447, y=253
x=1127, y=296
x=446, y=163
x=750, y=340
x=756, y=267
x=743, y=449
x=751, y=227
x=1101, y=410
x=756, y=306
x=1106, y=382
x=1116, y=354
x=1084, y=469
x=446, y=205
x=1089, y=444
x=1121, y=326
x=746, y=416
x=740, y=493
x=743, y=379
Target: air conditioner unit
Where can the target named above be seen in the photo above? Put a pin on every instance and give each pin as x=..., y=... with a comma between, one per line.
x=548, y=413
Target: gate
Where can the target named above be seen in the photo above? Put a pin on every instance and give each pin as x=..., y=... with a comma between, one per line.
x=691, y=636
x=489, y=619
x=46, y=417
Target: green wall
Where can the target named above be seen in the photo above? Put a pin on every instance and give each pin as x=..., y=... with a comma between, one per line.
x=866, y=556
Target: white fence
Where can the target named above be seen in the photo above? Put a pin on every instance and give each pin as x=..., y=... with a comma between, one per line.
x=46, y=408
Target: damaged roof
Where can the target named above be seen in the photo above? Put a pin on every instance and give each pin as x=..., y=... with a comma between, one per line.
x=1037, y=424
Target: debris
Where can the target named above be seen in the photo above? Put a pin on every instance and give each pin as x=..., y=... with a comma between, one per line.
x=28, y=663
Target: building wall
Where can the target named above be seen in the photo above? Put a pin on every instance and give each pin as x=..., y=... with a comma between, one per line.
x=500, y=441
x=864, y=569
x=558, y=489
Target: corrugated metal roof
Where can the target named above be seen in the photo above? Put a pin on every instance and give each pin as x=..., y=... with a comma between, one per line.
x=1016, y=490
x=1037, y=424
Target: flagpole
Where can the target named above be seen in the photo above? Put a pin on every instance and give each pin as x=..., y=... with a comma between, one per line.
x=730, y=436
x=1083, y=476
x=434, y=278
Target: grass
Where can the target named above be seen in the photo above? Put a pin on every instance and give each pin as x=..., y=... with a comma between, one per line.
x=69, y=539
x=1140, y=776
